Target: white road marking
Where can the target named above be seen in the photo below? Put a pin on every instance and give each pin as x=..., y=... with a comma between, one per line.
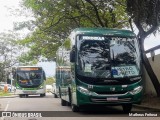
x=6, y=108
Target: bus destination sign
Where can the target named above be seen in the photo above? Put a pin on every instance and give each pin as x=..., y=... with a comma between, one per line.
x=28, y=68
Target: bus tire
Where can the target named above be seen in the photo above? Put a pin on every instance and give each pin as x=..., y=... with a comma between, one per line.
x=20, y=95
x=26, y=95
x=70, y=97
x=59, y=92
x=42, y=95
x=63, y=102
x=75, y=108
x=127, y=108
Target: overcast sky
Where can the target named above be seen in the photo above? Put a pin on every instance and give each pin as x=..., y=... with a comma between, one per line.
x=7, y=8
x=8, y=17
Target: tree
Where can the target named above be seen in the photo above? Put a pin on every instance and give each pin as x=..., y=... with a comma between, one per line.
x=50, y=80
x=55, y=19
x=146, y=16
x=9, y=53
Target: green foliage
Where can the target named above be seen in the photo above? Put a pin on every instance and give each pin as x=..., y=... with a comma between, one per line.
x=67, y=44
x=9, y=53
x=2, y=93
x=55, y=19
x=145, y=14
x=50, y=80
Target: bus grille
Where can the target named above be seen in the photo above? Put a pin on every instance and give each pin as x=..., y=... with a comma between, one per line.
x=111, y=92
x=104, y=100
x=29, y=92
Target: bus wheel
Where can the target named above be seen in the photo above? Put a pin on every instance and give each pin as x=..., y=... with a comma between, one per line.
x=127, y=108
x=26, y=95
x=63, y=102
x=42, y=95
x=59, y=92
x=20, y=95
x=75, y=108
x=70, y=97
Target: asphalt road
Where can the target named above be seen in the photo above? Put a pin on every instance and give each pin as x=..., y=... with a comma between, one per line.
x=48, y=107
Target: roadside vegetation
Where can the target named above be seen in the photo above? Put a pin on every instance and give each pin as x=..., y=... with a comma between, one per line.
x=50, y=80
x=2, y=93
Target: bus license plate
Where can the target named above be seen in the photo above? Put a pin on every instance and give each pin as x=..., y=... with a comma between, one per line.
x=29, y=92
x=112, y=99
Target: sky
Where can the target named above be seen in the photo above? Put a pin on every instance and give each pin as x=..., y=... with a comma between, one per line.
x=5, y=21
x=8, y=17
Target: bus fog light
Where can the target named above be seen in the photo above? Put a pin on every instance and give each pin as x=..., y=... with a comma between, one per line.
x=83, y=90
x=136, y=90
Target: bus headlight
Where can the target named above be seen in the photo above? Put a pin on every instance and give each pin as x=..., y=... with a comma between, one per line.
x=83, y=90
x=41, y=87
x=136, y=90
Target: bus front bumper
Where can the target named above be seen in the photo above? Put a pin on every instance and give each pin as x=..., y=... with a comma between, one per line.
x=87, y=97
x=30, y=92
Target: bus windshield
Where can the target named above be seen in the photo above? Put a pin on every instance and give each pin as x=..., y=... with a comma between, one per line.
x=108, y=57
x=29, y=78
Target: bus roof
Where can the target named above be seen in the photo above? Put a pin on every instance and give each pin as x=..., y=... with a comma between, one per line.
x=103, y=31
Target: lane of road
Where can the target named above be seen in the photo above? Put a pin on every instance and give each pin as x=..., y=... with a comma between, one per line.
x=36, y=103
x=52, y=106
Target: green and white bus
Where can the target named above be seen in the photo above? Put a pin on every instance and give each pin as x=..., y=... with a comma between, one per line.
x=62, y=75
x=105, y=69
x=29, y=80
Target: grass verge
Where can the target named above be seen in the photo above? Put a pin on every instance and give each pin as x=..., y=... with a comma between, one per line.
x=2, y=93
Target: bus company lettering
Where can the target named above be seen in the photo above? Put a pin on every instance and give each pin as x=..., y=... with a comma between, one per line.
x=124, y=71
x=92, y=38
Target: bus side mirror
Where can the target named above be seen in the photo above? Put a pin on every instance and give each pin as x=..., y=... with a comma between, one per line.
x=72, y=56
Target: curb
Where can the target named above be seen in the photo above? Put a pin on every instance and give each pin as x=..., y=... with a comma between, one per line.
x=12, y=96
x=146, y=107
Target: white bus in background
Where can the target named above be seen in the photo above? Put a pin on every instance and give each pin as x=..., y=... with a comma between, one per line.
x=29, y=80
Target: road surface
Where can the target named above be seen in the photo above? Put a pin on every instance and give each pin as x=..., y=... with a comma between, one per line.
x=45, y=108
